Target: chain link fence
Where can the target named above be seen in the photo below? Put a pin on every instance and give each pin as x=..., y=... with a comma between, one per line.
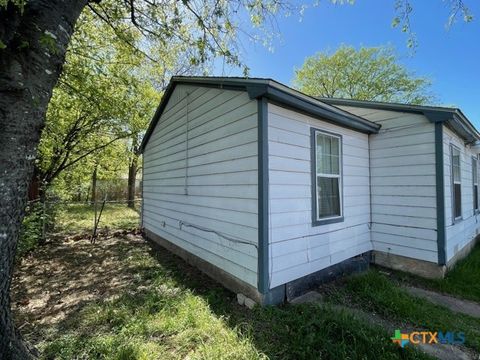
x=81, y=219
x=53, y=219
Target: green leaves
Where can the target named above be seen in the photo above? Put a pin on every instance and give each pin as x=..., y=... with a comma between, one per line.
x=105, y=96
x=19, y=3
x=364, y=74
x=404, y=9
x=395, y=21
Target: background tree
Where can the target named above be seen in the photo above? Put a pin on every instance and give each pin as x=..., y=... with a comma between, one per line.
x=365, y=74
x=105, y=94
x=100, y=73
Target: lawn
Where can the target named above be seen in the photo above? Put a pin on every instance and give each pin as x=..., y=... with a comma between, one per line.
x=118, y=299
x=378, y=292
x=121, y=299
x=79, y=218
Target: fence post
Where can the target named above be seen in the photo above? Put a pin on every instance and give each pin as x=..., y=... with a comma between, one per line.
x=97, y=220
x=95, y=216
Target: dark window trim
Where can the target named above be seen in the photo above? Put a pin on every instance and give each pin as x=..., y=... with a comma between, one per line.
x=440, y=193
x=455, y=220
x=263, y=284
x=476, y=207
x=313, y=170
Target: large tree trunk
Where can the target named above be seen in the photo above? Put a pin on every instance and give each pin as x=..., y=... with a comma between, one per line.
x=132, y=178
x=32, y=52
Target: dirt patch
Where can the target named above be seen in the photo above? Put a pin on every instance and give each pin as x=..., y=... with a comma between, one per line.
x=62, y=277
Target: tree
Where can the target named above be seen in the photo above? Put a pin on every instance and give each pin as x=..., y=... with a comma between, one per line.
x=364, y=74
x=84, y=116
x=84, y=107
x=27, y=78
x=141, y=106
x=34, y=36
x=78, y=182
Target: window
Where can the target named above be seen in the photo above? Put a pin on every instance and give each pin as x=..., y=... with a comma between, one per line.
x=456, y=183
x=475, y=183
x=327, y=177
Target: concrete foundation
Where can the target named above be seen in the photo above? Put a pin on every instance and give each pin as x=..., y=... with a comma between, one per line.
x=273, y=297
x=298, y=287
x=414, y=266
x=462, y=253
x=422, y=268
x=277, y=295
x=350, y=266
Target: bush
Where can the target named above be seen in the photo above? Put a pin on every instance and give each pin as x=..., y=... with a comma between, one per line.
x=31, y=231
x=32, y=226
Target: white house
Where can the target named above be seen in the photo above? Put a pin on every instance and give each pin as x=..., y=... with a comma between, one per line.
x=269, y=190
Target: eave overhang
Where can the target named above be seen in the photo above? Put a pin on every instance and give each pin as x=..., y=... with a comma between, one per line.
x=275, y=93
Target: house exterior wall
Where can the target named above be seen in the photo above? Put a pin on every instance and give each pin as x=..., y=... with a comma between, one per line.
x=205, y=194
x=459, y=233
x=402, y=156
x=203, y=198
x=296, y=247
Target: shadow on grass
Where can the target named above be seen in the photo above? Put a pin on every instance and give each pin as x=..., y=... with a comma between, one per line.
x=125, y=299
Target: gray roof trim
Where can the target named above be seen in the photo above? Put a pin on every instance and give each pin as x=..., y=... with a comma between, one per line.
x=452, y=117
x=272, y=90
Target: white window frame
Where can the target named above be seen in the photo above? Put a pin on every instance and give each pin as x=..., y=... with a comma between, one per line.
x=316, y=220
x=458, y=182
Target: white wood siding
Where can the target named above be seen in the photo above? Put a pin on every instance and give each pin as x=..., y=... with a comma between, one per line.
x=221, y=177
x=296, y=248
x=460, y=233
x=402, y=154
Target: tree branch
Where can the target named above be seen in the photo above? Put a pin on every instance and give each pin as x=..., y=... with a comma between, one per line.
x=107, y=20
x=73, y=162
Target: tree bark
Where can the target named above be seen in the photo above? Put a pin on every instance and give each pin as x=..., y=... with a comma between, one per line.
x=34, y=186
x=32, y=52
x=132, y=178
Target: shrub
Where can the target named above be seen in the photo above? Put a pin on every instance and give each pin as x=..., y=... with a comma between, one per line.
x=31, y=231
x=32, y=226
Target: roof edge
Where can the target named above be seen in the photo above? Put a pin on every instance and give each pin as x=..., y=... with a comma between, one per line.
x=452, y=117
x=279, y=93
x=275, y=92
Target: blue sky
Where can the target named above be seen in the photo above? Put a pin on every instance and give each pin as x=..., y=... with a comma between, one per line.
x=450, y=57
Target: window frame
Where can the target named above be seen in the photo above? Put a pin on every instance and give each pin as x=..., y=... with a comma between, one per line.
x=316, y=221
x=476, y=209
x=452, y=182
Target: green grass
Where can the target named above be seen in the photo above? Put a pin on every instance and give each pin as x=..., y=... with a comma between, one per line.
x=171, y=311
x=375, y=292
x=79, y=218
x=462, y=281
